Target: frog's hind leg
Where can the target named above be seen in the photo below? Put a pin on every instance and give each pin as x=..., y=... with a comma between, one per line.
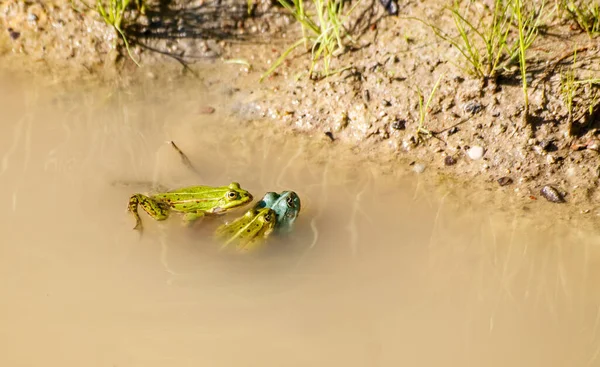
x=154, y=209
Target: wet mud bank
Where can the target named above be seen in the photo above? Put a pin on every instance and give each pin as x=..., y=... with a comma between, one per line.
x=476, y=131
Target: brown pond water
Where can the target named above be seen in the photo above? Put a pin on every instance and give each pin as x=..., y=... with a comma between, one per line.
x=381, y=270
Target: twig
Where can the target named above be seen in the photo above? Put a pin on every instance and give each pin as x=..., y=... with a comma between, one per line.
x=186, y=161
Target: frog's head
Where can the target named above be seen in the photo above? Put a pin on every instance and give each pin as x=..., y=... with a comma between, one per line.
x=267, y=218
x=268, y=200
x=234, y=196
x=287, y=208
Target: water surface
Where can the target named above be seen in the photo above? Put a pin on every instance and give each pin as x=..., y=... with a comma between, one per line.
x=381, y=270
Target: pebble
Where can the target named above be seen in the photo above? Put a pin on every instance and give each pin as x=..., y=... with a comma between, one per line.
x=548, y=145
x=452, y=130
x=419, y=167
x=206, y=110
x=399, y=124
x=594, y=145
x=14, y=35
x=472, y=107
x=475, y=152
x=551, y=194
x=503, y=181
x=449, y=160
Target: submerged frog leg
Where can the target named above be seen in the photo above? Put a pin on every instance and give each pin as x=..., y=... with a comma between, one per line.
x=155, y=209
x=191, y=217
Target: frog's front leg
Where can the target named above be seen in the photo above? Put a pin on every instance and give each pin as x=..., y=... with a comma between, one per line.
x=155, y=209
x=190, y=217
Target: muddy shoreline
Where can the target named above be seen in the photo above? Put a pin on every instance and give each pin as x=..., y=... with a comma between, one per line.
x=370, y=109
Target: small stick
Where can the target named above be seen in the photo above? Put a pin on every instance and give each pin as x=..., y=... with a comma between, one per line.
x=186, y=161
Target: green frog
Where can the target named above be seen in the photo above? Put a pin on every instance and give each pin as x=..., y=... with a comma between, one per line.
x=286, y=206
x=195, y=202
x=249, y=230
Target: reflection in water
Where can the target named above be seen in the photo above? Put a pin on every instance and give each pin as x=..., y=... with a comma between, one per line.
x=381, y=270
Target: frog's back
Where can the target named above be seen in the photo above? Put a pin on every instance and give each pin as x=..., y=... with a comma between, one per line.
x=199, y=190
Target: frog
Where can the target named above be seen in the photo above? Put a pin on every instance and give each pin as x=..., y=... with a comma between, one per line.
x=194, y=202
x=249, y=231
x=286, y=206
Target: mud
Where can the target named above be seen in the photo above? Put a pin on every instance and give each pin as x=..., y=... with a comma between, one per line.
x=371, y=107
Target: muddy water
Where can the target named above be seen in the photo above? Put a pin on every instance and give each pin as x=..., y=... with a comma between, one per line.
x=381, y=270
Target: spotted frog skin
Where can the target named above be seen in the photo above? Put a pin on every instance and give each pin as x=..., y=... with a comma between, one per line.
x=195, y=202
x=249, y=231
x=286, y=206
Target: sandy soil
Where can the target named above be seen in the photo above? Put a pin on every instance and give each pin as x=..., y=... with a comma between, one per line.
x=372, y=106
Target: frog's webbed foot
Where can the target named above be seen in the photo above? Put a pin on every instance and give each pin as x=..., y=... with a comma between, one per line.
x=157, y=210
x=132, y=208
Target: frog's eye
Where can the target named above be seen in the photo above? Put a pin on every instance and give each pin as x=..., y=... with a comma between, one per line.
x=290, y=201
x=267, y=217
x=232, y=195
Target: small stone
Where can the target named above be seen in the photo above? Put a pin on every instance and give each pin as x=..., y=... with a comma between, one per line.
x=475, y=152
x=419, y=168
x=449, y=160
x=14, y=35
x=206, y=110
x=503, y=181
x=594, y=144
x=399, y=124
x=453, y=130
x=551, y=194
x=548, y=145
x=472, y=107
x=391, y=6
x=550, y=159
x=386, y=103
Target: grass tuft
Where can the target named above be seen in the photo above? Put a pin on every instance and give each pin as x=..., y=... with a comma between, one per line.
x=568, y=87
x=322, y=32
x=481, y=44
x=585, y=13
x=113, y=14
x=423, y=109
x=495, y=38
x=527, y=22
